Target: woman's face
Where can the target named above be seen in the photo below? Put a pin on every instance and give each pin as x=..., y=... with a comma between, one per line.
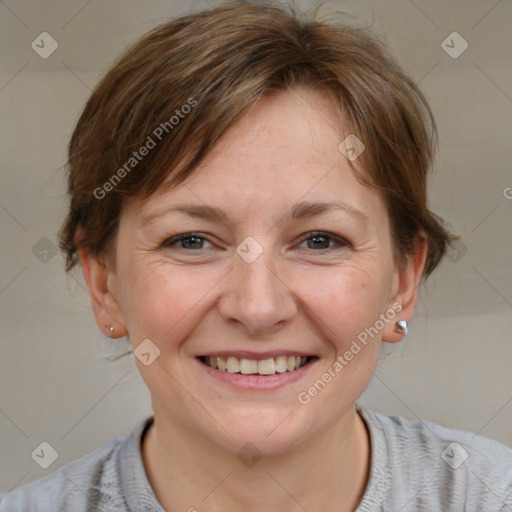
x=259, y=281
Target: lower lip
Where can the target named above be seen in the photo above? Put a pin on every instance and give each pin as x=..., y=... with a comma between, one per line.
x=257, y=382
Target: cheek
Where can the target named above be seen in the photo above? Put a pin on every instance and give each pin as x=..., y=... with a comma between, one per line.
x=345, y=300
x=162, y=301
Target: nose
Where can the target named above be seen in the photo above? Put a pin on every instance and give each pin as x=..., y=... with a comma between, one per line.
x=257, y=296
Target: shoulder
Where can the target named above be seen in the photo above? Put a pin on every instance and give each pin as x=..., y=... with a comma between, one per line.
x=84, y=484
x=73, y=486
x=428, y=438
x=429, y=465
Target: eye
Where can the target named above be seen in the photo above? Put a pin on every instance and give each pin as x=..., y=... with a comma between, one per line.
x=192, y=241
x=321, y=240
x=317, y=240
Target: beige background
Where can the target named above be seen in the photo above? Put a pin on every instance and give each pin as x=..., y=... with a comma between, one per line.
x=453, y=369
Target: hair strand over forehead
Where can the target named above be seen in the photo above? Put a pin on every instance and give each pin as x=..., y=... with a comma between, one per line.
x=221, y=62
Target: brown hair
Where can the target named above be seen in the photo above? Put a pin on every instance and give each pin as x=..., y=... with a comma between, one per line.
x=217, y=64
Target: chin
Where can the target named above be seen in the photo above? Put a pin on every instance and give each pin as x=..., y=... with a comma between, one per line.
x=269, y=432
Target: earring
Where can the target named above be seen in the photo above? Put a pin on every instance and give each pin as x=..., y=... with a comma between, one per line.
x=110, y=330
x=401, y=327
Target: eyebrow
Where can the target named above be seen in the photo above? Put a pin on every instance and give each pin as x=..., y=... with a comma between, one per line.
x=301, y=210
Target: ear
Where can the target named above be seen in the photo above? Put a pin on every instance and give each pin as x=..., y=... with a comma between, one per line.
x=101, y=284
x=406, y=283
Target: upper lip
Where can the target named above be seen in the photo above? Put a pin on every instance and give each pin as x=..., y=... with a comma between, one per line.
x=247, y=354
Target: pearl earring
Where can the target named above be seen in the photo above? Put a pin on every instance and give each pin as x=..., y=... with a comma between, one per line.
x=111, y=330
x=401, y=327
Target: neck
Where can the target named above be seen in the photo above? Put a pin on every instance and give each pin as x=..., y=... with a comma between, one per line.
x=331, y=466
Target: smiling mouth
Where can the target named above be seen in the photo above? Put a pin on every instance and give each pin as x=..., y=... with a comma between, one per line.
x=271, y=366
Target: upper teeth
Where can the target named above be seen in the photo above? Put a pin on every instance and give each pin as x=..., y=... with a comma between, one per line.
x=270, y=366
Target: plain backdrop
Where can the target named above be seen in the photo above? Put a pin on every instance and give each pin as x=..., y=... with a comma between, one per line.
x=56, y=384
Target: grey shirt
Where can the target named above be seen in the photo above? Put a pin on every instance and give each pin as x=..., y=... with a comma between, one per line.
x=415, y=465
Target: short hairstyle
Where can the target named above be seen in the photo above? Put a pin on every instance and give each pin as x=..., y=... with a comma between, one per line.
x=179, y=88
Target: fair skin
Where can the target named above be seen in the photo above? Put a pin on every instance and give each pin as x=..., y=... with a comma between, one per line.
x=297, y=296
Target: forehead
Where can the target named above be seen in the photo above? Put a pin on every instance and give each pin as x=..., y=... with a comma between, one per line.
x=285, y=149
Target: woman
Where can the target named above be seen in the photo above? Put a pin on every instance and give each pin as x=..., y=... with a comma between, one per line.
x=248, y=206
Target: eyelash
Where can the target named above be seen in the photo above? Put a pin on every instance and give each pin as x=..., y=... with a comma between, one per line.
x=340, y=242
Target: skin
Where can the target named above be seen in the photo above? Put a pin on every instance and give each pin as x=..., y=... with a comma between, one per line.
x=189, y=301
